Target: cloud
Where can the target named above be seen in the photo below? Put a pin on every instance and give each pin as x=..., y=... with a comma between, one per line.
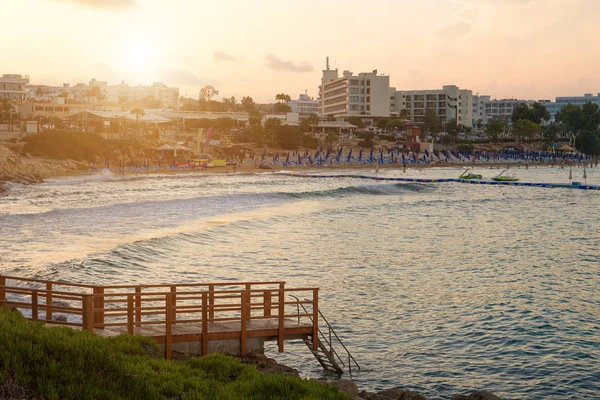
x=222, y=56
x=184, y=77
x=179, y=76
x=455, y=30
x=277, y=64
x=109, y=4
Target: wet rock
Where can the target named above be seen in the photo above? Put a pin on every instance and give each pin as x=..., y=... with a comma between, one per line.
x=392, y=394
x=476, y=396
x=59, y=317
x=343, y=385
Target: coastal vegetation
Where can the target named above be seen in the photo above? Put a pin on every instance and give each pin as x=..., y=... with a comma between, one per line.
x=65, y=145
x=62, y=363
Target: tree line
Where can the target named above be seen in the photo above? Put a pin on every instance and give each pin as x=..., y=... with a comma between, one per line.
x=529, y=122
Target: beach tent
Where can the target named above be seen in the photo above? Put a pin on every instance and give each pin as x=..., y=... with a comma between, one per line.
x=566, y=147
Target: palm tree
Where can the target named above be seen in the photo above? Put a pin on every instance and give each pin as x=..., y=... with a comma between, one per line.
x=331, y=138
x=138, y=112
x=313, y=121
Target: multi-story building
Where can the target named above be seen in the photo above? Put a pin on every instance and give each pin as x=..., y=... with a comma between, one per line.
x=305, y=105
x=121, y=93
x=365, y=94
x=554, y=107
x=13, y=87
x=485, y=109
x=448, y=103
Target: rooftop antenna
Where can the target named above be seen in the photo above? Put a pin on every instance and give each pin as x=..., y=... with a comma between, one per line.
x=327, y=64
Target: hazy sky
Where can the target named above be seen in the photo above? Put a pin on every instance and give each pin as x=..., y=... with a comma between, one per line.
x=534, y=49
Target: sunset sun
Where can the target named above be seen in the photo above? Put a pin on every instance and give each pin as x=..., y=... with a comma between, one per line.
x=140, y=55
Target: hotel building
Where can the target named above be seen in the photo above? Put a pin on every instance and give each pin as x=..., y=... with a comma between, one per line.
x=12, y=87
x=449, y=103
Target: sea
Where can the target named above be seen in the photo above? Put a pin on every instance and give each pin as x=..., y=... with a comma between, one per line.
x=440, y=288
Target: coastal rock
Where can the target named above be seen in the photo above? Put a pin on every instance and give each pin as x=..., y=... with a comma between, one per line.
x=392, y=394
x=343, y=385
x=476, y=396
x=268, y=365
x=25, y=169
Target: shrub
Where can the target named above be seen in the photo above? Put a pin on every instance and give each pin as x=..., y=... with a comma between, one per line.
x=62, y=363
x=64, y=145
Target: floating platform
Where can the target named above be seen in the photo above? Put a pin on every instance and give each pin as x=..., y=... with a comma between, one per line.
x=574, y=185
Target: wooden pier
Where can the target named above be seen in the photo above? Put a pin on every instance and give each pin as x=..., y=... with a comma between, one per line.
x=171, y=314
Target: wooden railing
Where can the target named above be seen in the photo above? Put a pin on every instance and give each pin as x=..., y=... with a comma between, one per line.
x=135, y=309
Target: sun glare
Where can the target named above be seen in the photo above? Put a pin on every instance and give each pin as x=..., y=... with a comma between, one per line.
x=140, y=55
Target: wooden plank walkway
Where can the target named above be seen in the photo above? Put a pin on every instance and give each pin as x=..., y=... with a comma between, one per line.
x=175, y=313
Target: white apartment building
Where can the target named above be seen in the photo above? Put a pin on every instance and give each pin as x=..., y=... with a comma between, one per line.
x=13, y=87
x=554, y=107
x=485, y=109
x=124, y=93
x=449, y=103
x=305, y=105
x=365, y=94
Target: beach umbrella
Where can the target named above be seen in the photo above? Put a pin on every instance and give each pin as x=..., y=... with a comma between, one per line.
x=570, y=174
x=585, y=175
x=350, y=155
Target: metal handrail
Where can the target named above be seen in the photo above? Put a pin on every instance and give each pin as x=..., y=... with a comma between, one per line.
x=330, y=341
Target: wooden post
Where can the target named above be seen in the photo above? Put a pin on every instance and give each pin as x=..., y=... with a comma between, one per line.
x=2, y=290
x=99, y=305
x=88, y=312
x=138, y=304
x=174, y=305
x=281, y=332
x=49, y=301
x=211, y=300
x=244, y=315
x=315, y=333
x=168, y=327
x=267, y=301
x=130, y=304
x=204, y=324
x=34, y=305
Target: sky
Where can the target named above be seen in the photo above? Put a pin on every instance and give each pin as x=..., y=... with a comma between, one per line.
x=528, y=49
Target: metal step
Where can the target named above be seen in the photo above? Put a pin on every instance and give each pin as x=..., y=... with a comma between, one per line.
x=324, y=357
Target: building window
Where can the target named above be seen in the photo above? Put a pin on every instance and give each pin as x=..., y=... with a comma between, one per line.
x=368, y=90
x=368, y=107
x=368, y=99
x=368, y=82
x=354, y=82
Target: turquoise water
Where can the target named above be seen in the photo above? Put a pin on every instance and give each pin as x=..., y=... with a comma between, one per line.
x=440, y=288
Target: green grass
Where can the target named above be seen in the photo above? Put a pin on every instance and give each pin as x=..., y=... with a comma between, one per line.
x=61, y=363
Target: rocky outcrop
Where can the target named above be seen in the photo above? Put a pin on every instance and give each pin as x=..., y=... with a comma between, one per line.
x=268, y=365
x=391, y=394
x=343, y=385
x=15, y=167
x=476, y=396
